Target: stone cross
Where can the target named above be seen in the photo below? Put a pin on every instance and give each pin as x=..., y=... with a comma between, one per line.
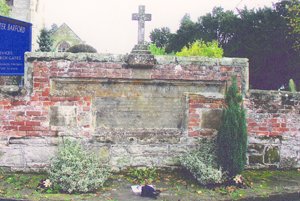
x=141, y=17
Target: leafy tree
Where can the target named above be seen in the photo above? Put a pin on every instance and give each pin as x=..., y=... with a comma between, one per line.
x=4, y=8
x=184, y=35
x=156, y=50
x=294, y=21
x=262, y=35
x=218, y=25
x=54, y=27
x=160, y=37
x=232, y=136
x=44, y=40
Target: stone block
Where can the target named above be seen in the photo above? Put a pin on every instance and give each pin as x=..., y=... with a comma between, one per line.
x=120, y=162
x=255, y=159
x=103, y=153
x=167, y=161
x=119, y=150
x=143, y=161
x=211, y=119
x=272, y=155
x=35, y=156
x=148, y=149
x=12, y=156
x=63, y=116
x=256, y=149
x=178, y=149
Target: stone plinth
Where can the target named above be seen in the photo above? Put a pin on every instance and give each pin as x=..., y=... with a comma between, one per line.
x=140, y=57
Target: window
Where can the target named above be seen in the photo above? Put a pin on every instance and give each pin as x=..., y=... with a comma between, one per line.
x=37, y=6
x=63, y=46
x=10, y=2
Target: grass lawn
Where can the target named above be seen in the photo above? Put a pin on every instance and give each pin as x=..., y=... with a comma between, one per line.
x=173, y=184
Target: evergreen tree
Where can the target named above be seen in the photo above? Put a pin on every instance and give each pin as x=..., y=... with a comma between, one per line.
x=4, y=8
x=160, y=37
x=294, y=21
x=232, y=136
x=268, y=37
x=44, y=40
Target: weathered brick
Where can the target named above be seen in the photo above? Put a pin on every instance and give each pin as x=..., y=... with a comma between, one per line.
x=32, y=123
x=33, y=113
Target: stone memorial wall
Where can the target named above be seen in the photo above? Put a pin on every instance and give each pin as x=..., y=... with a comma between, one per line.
x=134, y=116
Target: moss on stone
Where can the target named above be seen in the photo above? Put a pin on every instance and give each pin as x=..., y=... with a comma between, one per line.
x=256, y=159
x=272, y=155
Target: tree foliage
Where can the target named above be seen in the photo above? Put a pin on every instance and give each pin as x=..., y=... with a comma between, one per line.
x=82, y=48
x=200, y=48
x=232, y=136
x=45, y=41
x=53, y=29
x=4, y=8
x=262, y=35
x=160, y=37
x=294, y=21
x=156, y=50
x=184, y=35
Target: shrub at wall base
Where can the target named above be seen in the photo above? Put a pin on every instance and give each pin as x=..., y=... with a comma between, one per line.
x=77, y=170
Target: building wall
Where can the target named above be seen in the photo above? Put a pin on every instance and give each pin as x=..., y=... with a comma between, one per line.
x=64, y=34
x=30, y=11
x=273, y=128
x=128, y=116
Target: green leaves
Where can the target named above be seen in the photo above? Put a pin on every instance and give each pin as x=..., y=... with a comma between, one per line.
x=76, y=170
x=202, y=163
x=200, y=48
x=268, y=37
x=160, y=37
x=143, y=176
x=292, y=86
x=156, y=50
x=294, y=21
x=4, y=8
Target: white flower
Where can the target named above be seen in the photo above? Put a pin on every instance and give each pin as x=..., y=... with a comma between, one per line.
x=47, y=183
x=238, y=179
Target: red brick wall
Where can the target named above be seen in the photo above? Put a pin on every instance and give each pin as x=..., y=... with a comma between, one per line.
x=273, y=128
x=273, y=119
x=28, y=115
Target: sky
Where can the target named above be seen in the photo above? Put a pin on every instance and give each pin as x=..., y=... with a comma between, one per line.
x=107, y=26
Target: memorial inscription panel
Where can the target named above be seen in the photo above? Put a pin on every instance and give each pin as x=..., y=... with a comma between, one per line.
x=131, y=104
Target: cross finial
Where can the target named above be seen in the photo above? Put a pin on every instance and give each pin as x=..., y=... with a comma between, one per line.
x=141, y=17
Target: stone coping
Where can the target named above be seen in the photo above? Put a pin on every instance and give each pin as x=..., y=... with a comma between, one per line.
x=121, y=58
x=274, y=93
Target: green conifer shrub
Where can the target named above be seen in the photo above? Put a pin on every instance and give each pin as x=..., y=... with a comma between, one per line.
x=82, y=48
x=45, y=41
x=200, y=48
x=74, y=169
x=232, y=136
x=292, y=86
